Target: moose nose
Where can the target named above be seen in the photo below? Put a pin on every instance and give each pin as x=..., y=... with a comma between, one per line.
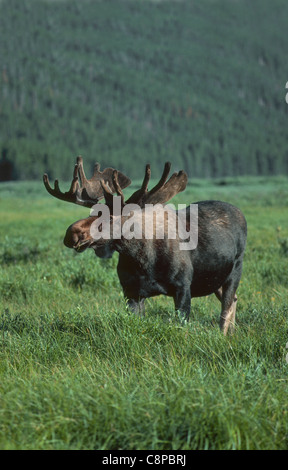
x=70, y=238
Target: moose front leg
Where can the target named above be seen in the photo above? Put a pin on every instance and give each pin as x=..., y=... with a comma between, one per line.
x=136, y=306
x=182, y=301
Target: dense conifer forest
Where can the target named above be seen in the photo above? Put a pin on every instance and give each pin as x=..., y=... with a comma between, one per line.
x=125, y=82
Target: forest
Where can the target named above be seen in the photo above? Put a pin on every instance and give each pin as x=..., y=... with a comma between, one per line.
x=126, y=82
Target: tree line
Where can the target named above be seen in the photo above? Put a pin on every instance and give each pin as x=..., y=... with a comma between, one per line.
x=128, y=82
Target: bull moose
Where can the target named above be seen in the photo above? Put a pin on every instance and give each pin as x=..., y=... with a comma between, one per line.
x=149, y=267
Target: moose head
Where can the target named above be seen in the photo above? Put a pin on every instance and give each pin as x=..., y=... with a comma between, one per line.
x=104, y=185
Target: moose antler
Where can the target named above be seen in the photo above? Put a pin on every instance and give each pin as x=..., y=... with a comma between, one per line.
x=163, y=191
x=159, y=194
x=90, y=191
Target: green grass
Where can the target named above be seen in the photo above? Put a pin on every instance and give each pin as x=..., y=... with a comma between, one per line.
x=77, y=371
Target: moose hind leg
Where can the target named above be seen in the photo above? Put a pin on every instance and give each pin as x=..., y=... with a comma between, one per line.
x=228, y=298
x=228, y=312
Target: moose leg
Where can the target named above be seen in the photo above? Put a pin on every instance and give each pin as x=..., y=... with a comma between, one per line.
x=227, y=318
x=228, y=298
x=182, y=301
x=227, y=295
x=136, y=307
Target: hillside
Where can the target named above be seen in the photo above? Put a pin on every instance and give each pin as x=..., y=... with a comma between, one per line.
x=200, y=83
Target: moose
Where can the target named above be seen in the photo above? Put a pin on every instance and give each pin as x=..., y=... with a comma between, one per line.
x=150, y=267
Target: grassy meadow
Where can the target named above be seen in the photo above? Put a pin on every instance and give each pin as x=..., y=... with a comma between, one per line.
x=77, y=371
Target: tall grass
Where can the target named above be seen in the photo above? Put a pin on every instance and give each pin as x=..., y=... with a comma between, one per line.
x=126, y=79
x=77, y=371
